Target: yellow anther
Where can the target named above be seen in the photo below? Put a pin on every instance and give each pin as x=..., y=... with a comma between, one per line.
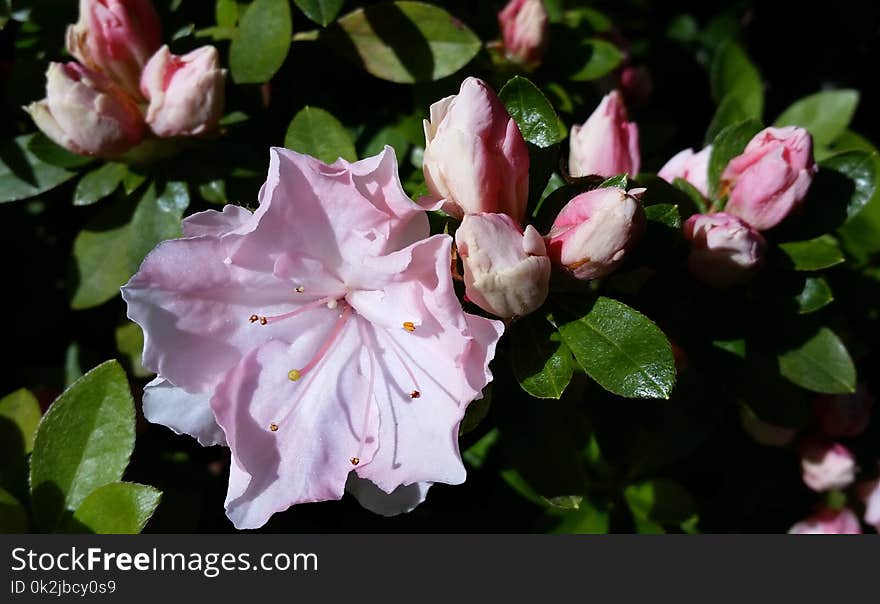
x=293, y=375
x=355, y=461
x=273, y=427
x=409, y=326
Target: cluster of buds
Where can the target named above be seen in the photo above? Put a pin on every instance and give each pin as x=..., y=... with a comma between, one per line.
x=763, y=185
x=125, y=84
x=476, y=167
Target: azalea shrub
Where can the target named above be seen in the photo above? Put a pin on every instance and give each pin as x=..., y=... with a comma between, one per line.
x=537, y=265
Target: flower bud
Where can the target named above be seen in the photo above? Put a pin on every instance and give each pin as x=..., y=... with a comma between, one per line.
x=724, y=249
x=116, y=37
x=506, y=271
x=592, y=234
x=771, y=178
x=606, y=144
x=692, y=167
x=186, y=93
x=475, y=158
x=764, y=433
x=869, y=493
x=87, y=113
x=844, y=415
x=636, y=84
x=525, y=30
x=826, y=466
x=827, y=521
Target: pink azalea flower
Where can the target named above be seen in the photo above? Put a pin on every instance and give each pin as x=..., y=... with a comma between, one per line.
x=321, y=334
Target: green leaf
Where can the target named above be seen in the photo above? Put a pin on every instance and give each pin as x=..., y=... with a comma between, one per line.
x=118, y=508
x=664, y=213
x=260, y=45
x=130, y=343
x=859, y=169
x=729, y=112
x=53, y=154
x=622, y=350
x=602, y=57
x=322, y=12
x=542, y=363
x=815, y=295
x=820, y=364
x=661, y=501
x=23, y=174
x=696, y=198
x=19, y=415
x=814, y=254
x=729, y=143
x=83, y=442
x=226, y=13
x=531, y=111
x=405, y=42
x=111, y=247
x=13, y=516
x=825, y=114
x=317, y=133
x=733, y=74
x=588, y=519
x=621, y=181
x=99, y=183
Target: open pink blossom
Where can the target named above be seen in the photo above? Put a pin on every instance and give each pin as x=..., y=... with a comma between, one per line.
x=827, y=521
x=324, y=335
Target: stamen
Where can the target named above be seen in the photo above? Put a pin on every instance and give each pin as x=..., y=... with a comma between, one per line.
x=273, y=427
x=311, y=305
x=332, y=304
x=355, y=461
x=367, y=405
x=417, y=391
x=295, y=374
x=415, y=394
x=300, y=289
x=409, y=326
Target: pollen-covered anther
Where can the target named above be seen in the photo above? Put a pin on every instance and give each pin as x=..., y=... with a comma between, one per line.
x=409, y=326
x=332, y=304
x=254, y=318
x=273, y=427
x=300, y=289
x=415, y=394
x=355, y=461
x=294, y=374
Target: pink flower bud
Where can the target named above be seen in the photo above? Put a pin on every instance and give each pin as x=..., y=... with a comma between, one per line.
x=724, y=249
x=186, y=93
x=506, y=271
x=763, y=433
x=84, y=111
x=592, y=234
x=869, y=493
x=525, y=29
x=692, y=167
x=116, y=37
x=844, y=415
x=771, y=178
x=636, y=85
x=827, y=521
x=606, y=144
x=826, y=465
x=475, y=157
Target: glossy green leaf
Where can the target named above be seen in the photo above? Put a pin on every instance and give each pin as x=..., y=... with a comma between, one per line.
x=664, y=213
x=317, y=133
x=621, y=181
x=13, y=516
x=601, y=58
x=542, y=363
x=83, y=442
x=48, y=151
x=405, y=42
x=531, y=111
x=859, y=168
x=23, y=174
x=815, y=295
x=661, y=501
x=588, y=519
x=99, y=183
x=118, y=508
x=729, y=143
x=19, y=415
x=622, y=350
x=825, y=114
x=322, y=12
x=262, y=41
x=732, y=74
x=814, y=254
x=821, y=363
x=111, y=247
x=730, y=111
x=130, y=344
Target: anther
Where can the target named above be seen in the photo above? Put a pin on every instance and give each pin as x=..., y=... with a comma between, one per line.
x=355, y=461
x=409, y=326
x=294, y=374
x=415, y=394
x=273, y=427
x=300, y=289
x=332, y=304
x=254, y=318
x=263, y=320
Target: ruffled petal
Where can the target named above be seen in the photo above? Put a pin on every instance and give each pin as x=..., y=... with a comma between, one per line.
x=185, y=413
x=232, y=220
x=403, y=499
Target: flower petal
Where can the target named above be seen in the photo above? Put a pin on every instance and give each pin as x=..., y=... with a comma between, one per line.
x=403, y=499
x=185, y=413
x=233, y=219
